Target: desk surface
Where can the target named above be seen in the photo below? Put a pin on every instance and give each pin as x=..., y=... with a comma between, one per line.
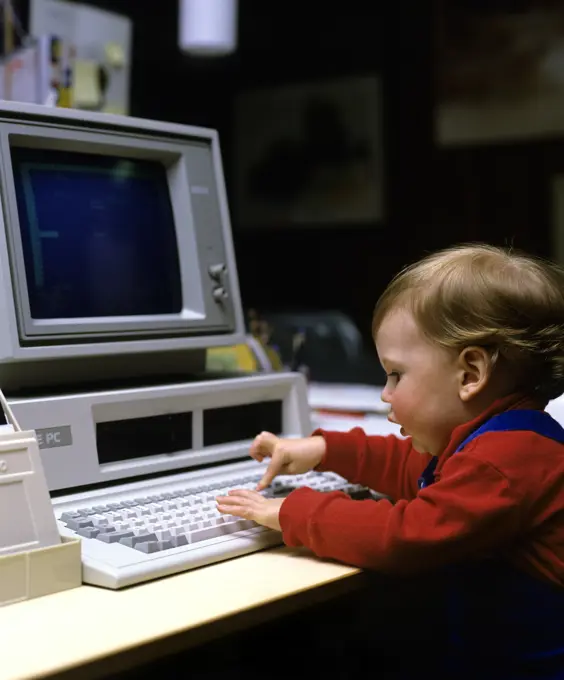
x=52, y=634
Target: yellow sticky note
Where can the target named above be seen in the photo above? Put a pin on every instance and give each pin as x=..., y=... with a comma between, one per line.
x=86, y=85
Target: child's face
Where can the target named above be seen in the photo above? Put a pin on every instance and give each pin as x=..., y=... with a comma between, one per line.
x=423, y=383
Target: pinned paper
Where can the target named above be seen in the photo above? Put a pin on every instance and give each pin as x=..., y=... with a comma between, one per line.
x=115, y=55
x=87, y=93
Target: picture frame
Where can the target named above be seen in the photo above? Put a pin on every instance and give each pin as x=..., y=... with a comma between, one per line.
x=309, y=154
x=499, y=73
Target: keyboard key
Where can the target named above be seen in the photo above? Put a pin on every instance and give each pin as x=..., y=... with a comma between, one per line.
x=163, y=534
x=148, y=547
x=204, y=534
x=88, y=532
x=106, y=530
x=80, y=523
x=114, y=536
x=179, y=541
x=66, y=516
x=133, y=541
x=100, y=521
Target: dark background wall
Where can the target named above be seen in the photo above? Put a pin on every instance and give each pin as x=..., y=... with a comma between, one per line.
x=434, y=196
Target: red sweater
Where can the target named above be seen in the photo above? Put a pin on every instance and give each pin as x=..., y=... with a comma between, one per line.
x=503, y=493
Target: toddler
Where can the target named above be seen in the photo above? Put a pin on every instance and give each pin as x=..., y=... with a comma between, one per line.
x=472, y=342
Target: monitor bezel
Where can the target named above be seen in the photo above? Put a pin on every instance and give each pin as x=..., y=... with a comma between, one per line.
x=172, y=154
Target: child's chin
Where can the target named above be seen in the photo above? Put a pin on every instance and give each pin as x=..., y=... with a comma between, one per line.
x=418, y=446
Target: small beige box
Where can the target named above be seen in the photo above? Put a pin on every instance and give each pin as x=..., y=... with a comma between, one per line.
x=42, y=571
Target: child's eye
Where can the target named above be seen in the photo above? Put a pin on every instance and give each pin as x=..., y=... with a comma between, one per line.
x=394, y=375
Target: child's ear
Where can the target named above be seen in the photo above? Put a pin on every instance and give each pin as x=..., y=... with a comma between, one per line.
x=474, y=366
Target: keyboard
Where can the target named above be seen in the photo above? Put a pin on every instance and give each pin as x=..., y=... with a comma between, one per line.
x=143, y=531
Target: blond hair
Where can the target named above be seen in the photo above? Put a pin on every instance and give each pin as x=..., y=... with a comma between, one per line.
x=480, y=295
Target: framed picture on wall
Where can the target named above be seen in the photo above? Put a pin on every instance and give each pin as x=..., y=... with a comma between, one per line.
x=557, y=191
x=309, y=154
x=499, y=71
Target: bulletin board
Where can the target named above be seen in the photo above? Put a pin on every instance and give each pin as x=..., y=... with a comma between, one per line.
x=102, y=40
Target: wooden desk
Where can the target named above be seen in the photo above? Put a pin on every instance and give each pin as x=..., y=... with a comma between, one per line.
x=67, y=633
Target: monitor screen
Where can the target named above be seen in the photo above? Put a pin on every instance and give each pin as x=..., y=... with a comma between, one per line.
x=98, y=235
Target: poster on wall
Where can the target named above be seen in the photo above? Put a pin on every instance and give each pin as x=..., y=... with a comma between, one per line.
x=309, y=154
x=500, y=71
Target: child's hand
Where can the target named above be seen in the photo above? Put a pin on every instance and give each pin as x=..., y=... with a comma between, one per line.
x=251, y=505
x=287, y=456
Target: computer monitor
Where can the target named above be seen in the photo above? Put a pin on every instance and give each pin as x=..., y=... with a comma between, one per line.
x=116, y=254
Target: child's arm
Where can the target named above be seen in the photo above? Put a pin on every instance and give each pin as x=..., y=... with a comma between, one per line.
x=473, y=508
x=388, y=465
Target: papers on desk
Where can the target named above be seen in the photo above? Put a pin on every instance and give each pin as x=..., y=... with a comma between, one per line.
x=371, y=424
x=556, y=409
x=341, y=407
x=346, y=398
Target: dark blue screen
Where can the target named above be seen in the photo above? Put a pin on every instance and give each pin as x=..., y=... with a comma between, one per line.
x=98, y=235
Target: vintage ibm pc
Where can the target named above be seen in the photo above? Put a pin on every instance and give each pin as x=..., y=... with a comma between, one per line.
x=117, y=271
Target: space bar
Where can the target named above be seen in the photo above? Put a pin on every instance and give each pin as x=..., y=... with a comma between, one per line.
x=219, y=530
